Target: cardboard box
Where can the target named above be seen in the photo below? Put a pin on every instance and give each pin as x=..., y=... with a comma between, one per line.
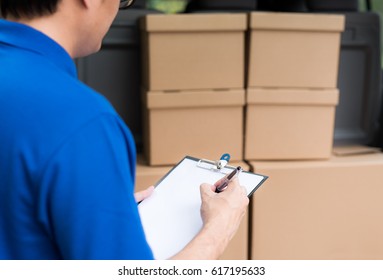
x=238, y=247
x=294, y=50
x=319, y=209
x=204, y=124
x=289, y=124
x=194, y=51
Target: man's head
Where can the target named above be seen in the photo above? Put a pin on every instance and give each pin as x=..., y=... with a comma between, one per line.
x=77, y=25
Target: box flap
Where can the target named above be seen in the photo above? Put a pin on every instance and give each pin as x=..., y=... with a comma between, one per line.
x=352, y=150
x=191, y=99
x=295, y=21
x=371, y=159
x=194, y=22
x=293, y=96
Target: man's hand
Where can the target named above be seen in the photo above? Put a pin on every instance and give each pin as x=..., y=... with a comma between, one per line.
x=140, y=196
x=221, y=214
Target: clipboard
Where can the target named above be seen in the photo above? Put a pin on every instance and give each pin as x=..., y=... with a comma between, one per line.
x=171, y=215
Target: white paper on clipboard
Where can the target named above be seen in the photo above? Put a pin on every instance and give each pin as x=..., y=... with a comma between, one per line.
x=171, y=215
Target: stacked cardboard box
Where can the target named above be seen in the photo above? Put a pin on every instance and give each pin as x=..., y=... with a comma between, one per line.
x=289, y=124
x=319, y=209
x=292, y=94
x=203, y=124
x=193, y=86
x=315, y=205
x=193, y=95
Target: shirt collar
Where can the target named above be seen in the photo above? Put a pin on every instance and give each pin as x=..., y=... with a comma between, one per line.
x=25, y=37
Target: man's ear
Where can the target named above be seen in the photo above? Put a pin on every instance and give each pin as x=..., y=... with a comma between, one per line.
x=90, y=3
x=85, y=3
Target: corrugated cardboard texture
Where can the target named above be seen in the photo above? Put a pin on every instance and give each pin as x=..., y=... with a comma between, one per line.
x=194, y=22
x=194, y=51
x=278, y=130
x=294, y=50
x=352, y=150
x=202, y=131
x=319, y=209
x=191, y=99
x=292, y=96
x=297, y=21
x=238, y=247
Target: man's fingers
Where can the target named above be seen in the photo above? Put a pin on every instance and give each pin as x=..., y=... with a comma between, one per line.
x=207, y=189
x=140, y=196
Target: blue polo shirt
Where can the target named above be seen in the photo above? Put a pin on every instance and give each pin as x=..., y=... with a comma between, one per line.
x=67, y=160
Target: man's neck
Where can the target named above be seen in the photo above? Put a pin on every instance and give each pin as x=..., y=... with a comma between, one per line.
x=49, y=26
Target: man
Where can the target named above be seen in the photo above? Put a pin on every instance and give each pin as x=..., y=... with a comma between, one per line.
x=67, y=161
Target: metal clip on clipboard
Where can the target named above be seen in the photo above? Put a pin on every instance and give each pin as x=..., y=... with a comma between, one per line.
x=218, y=165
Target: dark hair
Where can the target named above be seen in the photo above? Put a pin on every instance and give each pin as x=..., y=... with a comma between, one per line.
x=28, y=8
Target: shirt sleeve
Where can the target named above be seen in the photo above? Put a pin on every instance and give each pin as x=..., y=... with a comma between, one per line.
x=86, y=203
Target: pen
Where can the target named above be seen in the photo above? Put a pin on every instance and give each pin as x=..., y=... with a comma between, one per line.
x=227, y=180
